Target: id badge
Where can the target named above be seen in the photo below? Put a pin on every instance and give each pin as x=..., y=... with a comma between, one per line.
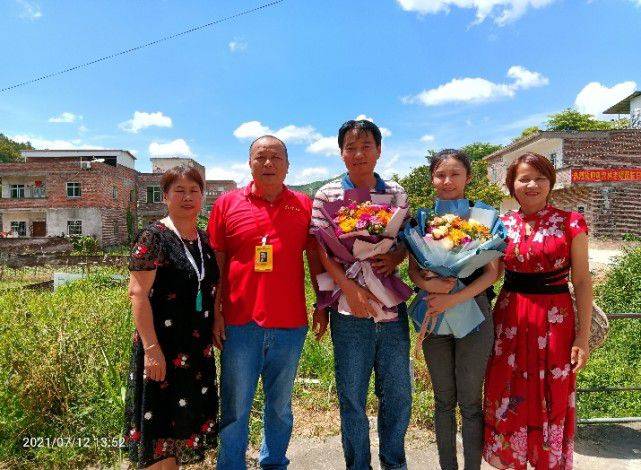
x=264, y=260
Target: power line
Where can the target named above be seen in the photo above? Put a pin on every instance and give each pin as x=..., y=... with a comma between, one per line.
x=142, y=46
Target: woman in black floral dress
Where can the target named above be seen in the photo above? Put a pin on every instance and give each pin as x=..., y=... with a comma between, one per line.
x=172, y=400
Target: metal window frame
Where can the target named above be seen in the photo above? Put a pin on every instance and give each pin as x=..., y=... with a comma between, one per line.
x=69, y=224
x=78, y=187
x=17, y=187
x=154, y=193
x=17, y=231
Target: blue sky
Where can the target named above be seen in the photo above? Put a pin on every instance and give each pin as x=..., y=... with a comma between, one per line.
x=432, y=73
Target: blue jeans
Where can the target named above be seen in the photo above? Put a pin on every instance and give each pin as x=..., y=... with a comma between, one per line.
x=360, y=347
x=250, y=352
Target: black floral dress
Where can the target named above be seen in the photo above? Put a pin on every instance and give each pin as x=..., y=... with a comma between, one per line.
x=177, y=417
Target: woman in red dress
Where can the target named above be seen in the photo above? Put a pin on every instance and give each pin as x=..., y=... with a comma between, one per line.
x=529, y=404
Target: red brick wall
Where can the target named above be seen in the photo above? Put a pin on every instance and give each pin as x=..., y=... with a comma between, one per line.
x=96, y=184
x=610, y=149
x=149, y=211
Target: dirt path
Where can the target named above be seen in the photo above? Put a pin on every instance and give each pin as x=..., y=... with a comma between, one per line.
x=598, y=447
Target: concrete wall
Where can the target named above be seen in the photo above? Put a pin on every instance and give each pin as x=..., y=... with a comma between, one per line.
x=90, y=216
x=27, y=216
x=635, y=112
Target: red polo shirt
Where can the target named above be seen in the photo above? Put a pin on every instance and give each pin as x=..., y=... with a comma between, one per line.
x=237, y=224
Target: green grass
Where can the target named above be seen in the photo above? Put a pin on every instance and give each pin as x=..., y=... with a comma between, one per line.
x=618, y=361
x=62, y=367
x=64, y=358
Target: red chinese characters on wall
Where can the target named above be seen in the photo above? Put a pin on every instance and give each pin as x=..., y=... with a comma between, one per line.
x=597, y=175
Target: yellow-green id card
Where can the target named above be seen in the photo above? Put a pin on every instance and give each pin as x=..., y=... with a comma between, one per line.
x=264, y=260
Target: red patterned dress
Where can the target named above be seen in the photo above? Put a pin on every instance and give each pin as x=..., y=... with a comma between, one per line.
x=529, y=401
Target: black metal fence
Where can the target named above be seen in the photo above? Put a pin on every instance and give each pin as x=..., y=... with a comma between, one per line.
x=626, y=419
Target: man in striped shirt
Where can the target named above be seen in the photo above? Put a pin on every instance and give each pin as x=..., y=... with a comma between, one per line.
x=361, y=345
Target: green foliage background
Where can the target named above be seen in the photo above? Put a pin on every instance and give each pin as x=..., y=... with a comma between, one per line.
x=10, y=150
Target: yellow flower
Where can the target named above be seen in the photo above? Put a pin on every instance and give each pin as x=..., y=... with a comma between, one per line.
x=347, y=225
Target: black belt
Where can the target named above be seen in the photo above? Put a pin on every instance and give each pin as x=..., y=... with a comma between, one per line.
x=555, y=282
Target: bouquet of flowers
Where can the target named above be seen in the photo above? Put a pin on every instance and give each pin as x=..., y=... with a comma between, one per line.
x=366, y=216
x=362, y=226
x=455, y=233
x=453, y=240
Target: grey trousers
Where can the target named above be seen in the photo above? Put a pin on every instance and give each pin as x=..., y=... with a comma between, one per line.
x=457, y=368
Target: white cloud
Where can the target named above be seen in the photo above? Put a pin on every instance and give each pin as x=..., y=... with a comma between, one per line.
x=524, y=78
x=387, y=167
x=595, y=98
x=307, y=175
x=315, y=171
x=385, y=132
x=30, y=10
x=501, y=11
x=82, y=128
x=251, y=130
x=237, y=46
x=325, y=146
x=175, y=148
x=427, y=138
x=65, y=117
x=478, y=90
x=297, y=135
x=290, y=134
x=41, y=143
x=462, y=90
x=142, y=120
x=238, y=172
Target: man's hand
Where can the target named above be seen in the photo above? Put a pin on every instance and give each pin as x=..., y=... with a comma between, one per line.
x=385, y=264
x=219, y=330
x=320, y=321
x=358, y=299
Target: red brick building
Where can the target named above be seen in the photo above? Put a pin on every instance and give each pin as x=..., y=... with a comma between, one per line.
x=150, y=205
x=608, y=198
x=83, y=192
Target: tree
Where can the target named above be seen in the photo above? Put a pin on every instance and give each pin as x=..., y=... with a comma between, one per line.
x=572, y=120
x=478, y=150
x=528, y=131
x=10, y=150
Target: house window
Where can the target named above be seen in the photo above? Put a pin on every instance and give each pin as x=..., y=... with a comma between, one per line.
x=556, y=160
x=74, y=227
x=19, y=229
x=39, y=190
x=73, y=190
x=154, y=194
x=17, y=191
x=115, y=192
x=132, y=195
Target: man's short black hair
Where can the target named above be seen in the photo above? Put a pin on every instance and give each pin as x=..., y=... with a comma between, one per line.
x=362, y=125
x=269, y=136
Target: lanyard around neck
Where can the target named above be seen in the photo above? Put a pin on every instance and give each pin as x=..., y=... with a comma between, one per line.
x=200, y=275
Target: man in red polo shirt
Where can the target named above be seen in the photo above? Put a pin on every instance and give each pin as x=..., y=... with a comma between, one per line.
x=259, y=234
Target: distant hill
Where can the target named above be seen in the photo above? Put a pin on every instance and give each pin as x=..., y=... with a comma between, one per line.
x=10, y=150
x=311, y=188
